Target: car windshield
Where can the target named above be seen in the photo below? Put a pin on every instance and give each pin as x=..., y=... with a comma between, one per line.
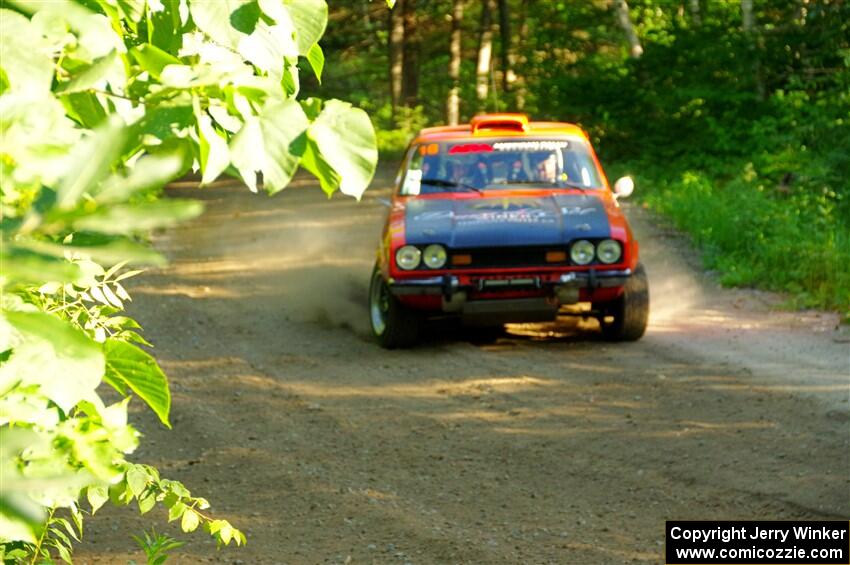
x=475, y=165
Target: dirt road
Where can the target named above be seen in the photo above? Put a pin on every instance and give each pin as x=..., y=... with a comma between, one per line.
x=547, y=446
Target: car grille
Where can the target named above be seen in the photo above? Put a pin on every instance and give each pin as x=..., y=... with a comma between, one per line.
x=506, y=257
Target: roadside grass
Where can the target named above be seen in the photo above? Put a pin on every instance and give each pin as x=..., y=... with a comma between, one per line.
x=755, y=233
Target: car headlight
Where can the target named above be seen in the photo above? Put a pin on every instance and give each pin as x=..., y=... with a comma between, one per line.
x=582, y=252
x=435, y=256
x=408, y=257
x=609, y=251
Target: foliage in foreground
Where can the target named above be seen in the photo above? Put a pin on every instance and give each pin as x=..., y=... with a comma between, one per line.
x=101, y=103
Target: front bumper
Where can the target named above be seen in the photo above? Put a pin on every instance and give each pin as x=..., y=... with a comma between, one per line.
x=447, y=285
x=502, y=298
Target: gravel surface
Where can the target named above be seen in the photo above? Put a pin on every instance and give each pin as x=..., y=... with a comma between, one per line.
x=546, y=445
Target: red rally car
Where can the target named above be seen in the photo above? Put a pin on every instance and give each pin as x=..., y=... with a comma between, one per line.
x=505, y=220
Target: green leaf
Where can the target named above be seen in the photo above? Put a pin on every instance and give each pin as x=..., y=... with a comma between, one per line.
x=120, y=493
x=91, y=160
x=215, y=156
x=26, y=62
x=176, y=511
x=316, y=58
x=267, y=46
x=309, y=19
x=92, y=75
x=165, y=122
x=216, y=18
x=153, y=59
x=151, y=171
x=134, y=218
x=137, y=479
x=85, y=108
x=97, y=497
x=190, y=521
x=127, y=365
x=48, y=347
x=23, y=266
x=266, y=144
x=20, y=518
x=132, y=10
x=103, y=249
x=167, y=27
x=225, y=533
x=147, y=501
x=95, y=36
x=342, y=150
x=291, y=81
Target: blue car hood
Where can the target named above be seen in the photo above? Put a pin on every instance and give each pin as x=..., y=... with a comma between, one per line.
x=505, y=221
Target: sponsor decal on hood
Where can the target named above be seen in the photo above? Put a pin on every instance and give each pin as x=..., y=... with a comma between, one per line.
x=506, y=221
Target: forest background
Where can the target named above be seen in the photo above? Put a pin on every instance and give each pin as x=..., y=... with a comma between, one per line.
x=732, y=115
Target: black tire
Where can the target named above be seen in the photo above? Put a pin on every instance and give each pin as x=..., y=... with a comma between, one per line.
x=392, y=324
x=629, y=313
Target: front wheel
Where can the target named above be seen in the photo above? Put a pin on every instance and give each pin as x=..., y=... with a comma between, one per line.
x=392, y=324
x=625, y=318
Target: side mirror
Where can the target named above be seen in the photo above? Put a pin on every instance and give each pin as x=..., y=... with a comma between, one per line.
x=624, y=187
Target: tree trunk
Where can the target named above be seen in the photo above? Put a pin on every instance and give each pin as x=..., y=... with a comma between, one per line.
x=455, y=52
x=410, y=83
x=508, y=59
x=625, y=21
x=485, y=54
x=521, y=90
x=696, y=16
x=748, y=25
x=747, y=15
x=396, y=25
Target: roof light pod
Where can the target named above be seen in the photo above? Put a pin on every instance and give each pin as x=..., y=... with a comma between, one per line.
x=499, y=122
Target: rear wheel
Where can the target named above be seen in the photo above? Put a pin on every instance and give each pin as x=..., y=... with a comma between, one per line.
x=392, y=324
x=625, y=318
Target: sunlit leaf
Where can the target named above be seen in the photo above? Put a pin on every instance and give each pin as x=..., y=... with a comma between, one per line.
x=129, y=366
x=342, y=150
x=309, y=19
x=190, y=521
x=92, y=160
x=137, y=479
x=26, y=63
x=105, y=249
x=316, y=58
x=92, y=76
x=134, y=218
x=153, y=59
x=215, y=155
x=216, y=19
x=97, y=497
x=176, y=511
x=48, y=346
x=24, y=266
x=265, y=144
x=85, y=108
x=148, y=172
x=268, y=45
